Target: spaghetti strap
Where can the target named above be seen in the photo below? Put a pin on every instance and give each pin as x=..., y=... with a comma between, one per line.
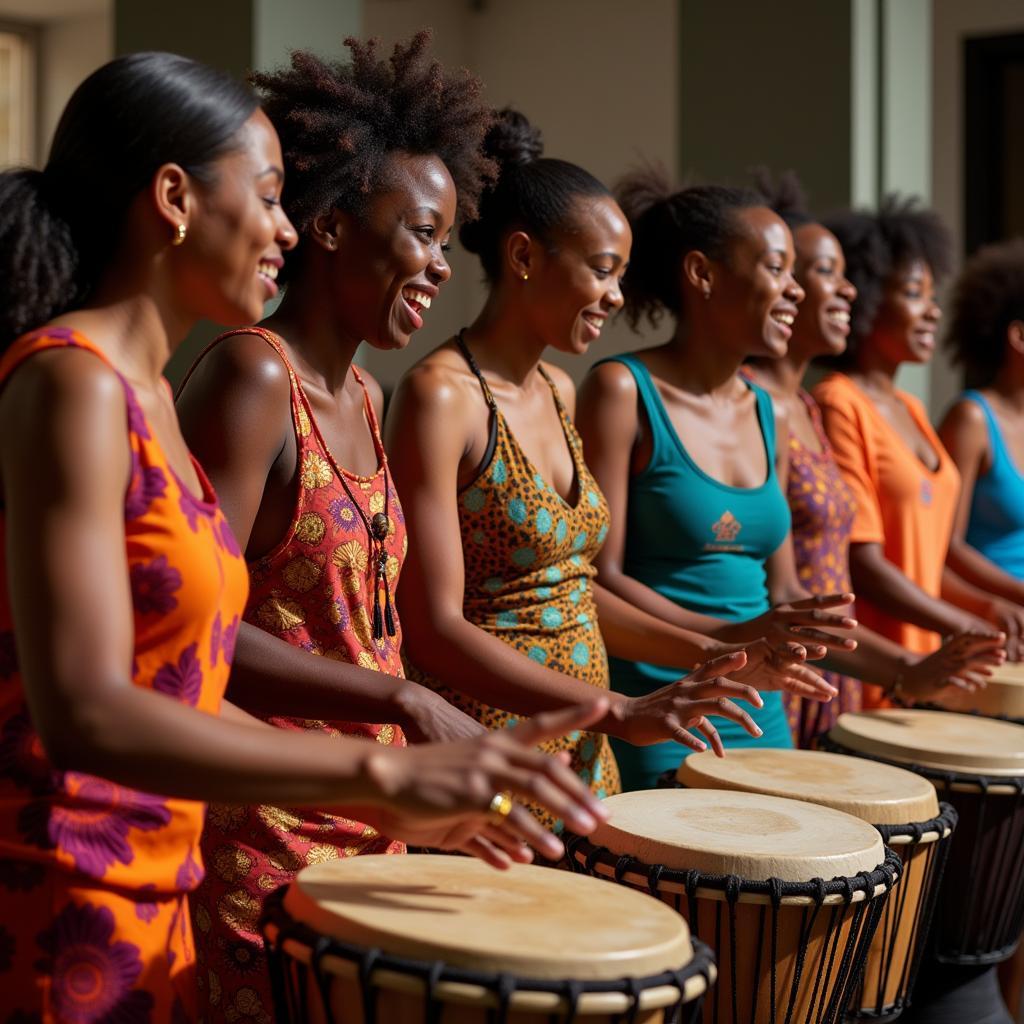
x=477, y=372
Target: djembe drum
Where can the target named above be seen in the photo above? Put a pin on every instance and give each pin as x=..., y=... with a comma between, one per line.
x=1001, y=697
x=977, y=764
x=449, y=940
x=786, y=893
x=905, y=810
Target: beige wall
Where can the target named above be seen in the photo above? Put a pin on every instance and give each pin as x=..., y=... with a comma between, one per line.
x=598, y=78
x=69, y=50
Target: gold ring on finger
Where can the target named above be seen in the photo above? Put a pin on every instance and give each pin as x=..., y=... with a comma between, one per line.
x=500, y=806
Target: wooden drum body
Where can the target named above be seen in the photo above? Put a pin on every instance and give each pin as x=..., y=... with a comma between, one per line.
x=787, y=894
x=905, y=810
x=977, y=764
x=449, y=940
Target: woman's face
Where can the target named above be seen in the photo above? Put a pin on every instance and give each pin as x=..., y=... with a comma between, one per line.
x=575, y=285
x=823, y=323
x=226, y=270
x=753, y=289
x=391, y=258
x=904, y=328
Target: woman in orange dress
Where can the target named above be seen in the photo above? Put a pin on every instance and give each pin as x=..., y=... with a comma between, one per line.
x=903, y=481
x=122, y=582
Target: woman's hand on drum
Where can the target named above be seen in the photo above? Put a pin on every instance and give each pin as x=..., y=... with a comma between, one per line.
x=806, y=622
x=780, y=666
x=444, y=794
x=668, y=713
x=1008, y=617
x=964, y=661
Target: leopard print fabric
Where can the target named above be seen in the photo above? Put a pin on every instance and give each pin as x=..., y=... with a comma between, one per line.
x=528, y=558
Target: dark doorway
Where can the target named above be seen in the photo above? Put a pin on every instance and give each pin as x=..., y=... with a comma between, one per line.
x=993, y=139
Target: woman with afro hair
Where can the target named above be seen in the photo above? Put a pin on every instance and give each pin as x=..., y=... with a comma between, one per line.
x=505, y=517
x=903, y=480
x=984, y=431
x=821, y=503
x=380, y=157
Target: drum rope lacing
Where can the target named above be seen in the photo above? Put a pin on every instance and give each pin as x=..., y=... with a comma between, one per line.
x=291, y=1005
x=977, y=925
x=584, y=857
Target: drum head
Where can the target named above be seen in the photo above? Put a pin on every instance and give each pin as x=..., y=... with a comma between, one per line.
x=755, y=837
x=935, y=739
x=1002, y=696
x=876, y=793
x=528, y=921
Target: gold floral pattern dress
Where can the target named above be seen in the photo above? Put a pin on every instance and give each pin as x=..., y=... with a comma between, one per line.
x=528, y=558
x=313, y=590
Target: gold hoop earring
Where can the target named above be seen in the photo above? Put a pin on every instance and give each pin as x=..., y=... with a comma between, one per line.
x=179, y=234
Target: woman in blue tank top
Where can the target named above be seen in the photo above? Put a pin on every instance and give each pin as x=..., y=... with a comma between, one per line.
x=685, y=449
x=984, y=431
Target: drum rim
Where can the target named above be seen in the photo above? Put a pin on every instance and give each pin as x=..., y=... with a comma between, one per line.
x=1010, y=777
x=940, y=825
x=948, y=776
x=865, y=885
x=275, y=917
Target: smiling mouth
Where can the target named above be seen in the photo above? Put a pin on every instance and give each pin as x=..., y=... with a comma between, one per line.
x=267, y=269
x=839, y=317
x=786, y=319
x=595, y=320
x=417, y=299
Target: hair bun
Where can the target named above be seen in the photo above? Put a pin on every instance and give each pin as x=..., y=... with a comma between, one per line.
x=512, y=141
x=783, y=193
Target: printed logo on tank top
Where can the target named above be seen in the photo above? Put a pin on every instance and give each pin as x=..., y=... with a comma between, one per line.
x=726, y=529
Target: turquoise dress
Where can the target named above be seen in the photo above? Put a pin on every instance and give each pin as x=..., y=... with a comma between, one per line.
x=703, y=545
x=996, y=523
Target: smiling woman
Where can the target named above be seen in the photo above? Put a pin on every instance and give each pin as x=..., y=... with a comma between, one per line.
x=502, y=610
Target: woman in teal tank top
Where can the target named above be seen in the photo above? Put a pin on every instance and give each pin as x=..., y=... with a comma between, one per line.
x=685, y=448
x=984, y=431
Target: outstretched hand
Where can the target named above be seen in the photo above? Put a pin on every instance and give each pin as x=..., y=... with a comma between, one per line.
x=440, y=794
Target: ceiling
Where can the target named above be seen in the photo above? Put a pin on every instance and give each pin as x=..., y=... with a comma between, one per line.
x=48, y=10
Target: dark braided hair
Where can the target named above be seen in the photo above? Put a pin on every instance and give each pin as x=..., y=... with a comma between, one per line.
x=59, y=227
x=989, y=296
x=341, y=124
x=879, y=245
x=534, y=193
x=666, y=225
x=784, y=195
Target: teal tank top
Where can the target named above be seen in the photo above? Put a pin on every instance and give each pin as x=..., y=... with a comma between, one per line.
x=996, y=523
x=702, y=544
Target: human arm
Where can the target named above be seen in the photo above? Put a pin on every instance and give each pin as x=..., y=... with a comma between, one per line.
x=236, y=415
x=73, y=624
x=964, y=432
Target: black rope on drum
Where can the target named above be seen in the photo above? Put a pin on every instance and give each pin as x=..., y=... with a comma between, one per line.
x=633, y=1013
x=573, y=991
x=732, y=895
x=505, y=991
x=323, y=979
x=431, y=978
x=365, y=965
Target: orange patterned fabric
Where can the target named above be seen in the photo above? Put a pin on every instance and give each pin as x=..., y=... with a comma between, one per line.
x=93, y=875
x=901, y=504
x=314, y=590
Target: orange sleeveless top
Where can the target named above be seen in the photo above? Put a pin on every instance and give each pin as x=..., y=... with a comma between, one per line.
x=188, y=584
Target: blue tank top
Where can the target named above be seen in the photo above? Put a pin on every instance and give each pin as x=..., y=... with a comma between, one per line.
x=996, y=523
x=702, y=544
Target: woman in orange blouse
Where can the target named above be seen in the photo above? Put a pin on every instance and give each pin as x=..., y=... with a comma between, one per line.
x=904, y=482
x=122, y=583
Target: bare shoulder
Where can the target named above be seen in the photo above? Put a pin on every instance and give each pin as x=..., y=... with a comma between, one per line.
x=563, y=382
x=612, y=381
x=241, y=361
x=965, y=416
x=441, y=380
x=72, y=406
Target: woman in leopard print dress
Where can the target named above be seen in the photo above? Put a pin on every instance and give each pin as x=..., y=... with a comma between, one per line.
x=498, y=595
